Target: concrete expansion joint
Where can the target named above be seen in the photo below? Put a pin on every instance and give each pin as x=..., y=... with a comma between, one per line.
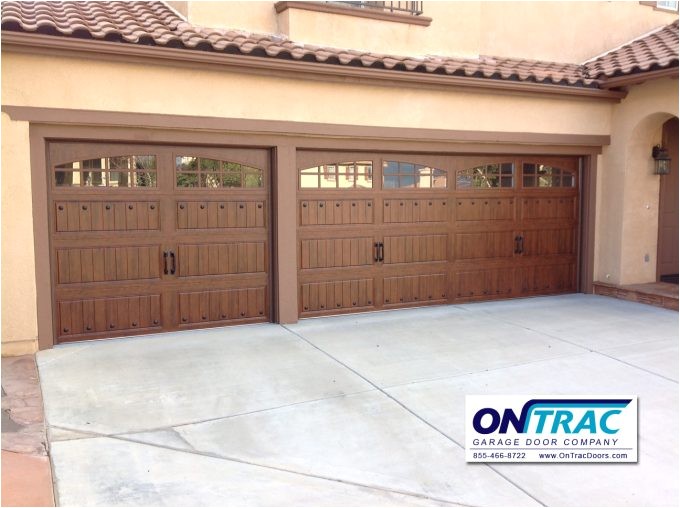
x=635, y=366
x=586, y=350
x=409, y=410
x=129, y=438
x=493, y=369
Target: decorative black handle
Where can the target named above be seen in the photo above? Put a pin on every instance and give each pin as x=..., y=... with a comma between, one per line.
x=172, y=270
x=517, y=239
x=381, y=252
x=521, y=245
x=376, y=252
x=165, y=262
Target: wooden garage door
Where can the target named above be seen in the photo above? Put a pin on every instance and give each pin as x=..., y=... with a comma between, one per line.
x=380, y=231
x=152, y=238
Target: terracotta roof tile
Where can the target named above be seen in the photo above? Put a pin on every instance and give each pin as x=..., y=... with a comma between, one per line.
x=656, y=50
x=154, y=23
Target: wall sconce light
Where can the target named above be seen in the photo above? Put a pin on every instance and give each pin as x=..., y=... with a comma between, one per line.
x=662, y=161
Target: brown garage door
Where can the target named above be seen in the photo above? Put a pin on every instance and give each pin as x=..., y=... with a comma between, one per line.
x=395, y=230
x=153, y=238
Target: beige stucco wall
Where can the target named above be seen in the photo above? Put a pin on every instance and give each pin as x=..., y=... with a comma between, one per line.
x=19, y=319
x=157, y=89
x=628, y=192
x=563, y=31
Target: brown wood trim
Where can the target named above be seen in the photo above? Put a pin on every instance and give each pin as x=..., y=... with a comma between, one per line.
x=353, y=11
x=639, y=77
x=41, y=245
x=51, y=45
x=277, y=127
x=587, y=240
x=285, y=233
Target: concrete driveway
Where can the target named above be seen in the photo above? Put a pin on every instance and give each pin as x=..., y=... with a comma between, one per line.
x=357, y=410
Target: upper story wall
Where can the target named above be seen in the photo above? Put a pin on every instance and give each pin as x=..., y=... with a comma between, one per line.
x=562, y=31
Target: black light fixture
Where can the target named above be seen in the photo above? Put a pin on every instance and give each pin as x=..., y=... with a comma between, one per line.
x=662, y=161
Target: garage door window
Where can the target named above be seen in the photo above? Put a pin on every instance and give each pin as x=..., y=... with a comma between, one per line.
x=542, y=175
x=398, y=174
x=132, y=171
x=341, y=175
x=214, y=174
x=487, y=176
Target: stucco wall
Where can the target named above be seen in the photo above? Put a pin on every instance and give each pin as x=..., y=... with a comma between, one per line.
x=538, y=30
x=19, y=320
x=157, y=89
x=628, y=192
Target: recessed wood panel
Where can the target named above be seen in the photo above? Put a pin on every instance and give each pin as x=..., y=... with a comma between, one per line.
x=220, y=214
x=485, y=209
x=548, y=207
x=484, y=245
x=539, y=279
x=222, y=305
x=108, y=264
x=108, y=315
x=336, y=212
x=415, y=248
x=484, y=284
x=415, y=210
x=221, y=258
x=415, y=288
x=83, y=216
x=336, y=295
x=336, y=252
x=550, y=241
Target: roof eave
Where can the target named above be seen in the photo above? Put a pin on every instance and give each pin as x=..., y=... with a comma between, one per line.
x=49, y=44
x=638, y=77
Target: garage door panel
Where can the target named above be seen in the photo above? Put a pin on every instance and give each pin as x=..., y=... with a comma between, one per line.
x=336, y=252
x=86, y=216
x=549, y=207
x=415, y=248
x=336, y=212
x=484, y=208
x=550, y=241
x=429, y=288
x=89, y=317
x=412, y=211
x=220, y=259
x=222, y=306
x=484, y=245
x=225, y=214
x=337, y=295
x=485, y=284
x=545, y=279
x=107, y=264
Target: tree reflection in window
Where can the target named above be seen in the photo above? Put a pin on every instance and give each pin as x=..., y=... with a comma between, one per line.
x=487, y=176
x=398, y=174
x=543, y=175
x=202, y=172
x=120, y=171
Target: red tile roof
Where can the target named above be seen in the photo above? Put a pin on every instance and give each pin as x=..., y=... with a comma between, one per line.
x=153, y=23
x=656, y=50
